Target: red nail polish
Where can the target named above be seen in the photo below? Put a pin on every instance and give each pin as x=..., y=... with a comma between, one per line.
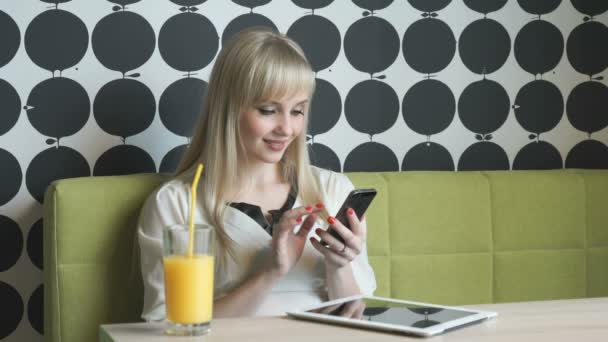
x=309, y=208
x=331, y=220
x=350, y=211
x=319, y=205
x=299, y=220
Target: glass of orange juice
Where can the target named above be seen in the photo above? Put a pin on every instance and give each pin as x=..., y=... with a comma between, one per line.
x=188, y=279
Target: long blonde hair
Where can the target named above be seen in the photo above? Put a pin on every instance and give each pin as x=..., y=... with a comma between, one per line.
x=255, y=65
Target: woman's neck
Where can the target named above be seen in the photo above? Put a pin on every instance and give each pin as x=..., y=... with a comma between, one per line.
x=262, y=175
x=263, y=179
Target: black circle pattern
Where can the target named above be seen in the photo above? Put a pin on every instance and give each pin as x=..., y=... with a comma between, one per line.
x=35, y=311
x=11, y=179
x=171, y=159
x=244, y=21
x=251, y=3
x=56, y=40
x=588, y=154
x=180, y=104
x=370, y=157
x=323, y=156
x=371, y=44
x=588, y=55
x=372, y=5
x=34, y=244
x=485, y=6
x=124, y=107
x=11, y=106
x=538, y=58
x=587, y=106
x=79, y=83
x=428, y=117
x=11, y=243
x=121, y=49
x=188, y=41
x=483, y=106
x=313, y=4
x=586, y=48
x=371, y=107
x=539, y=7
x=10, y=299
x=10, y=39
x=484, y=46
x=591, y=8
x=483, y=155
x=538, y=155
x=321, y=53
x=428, y=156
x=58, y=107
x=428, y=45
x=124, y=160
x=326, y=108
x=429, y=5
x=52, y=164
x=539, y=106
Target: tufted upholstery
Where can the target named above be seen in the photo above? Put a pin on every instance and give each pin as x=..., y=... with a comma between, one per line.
x=445, y=237
x=482, y=237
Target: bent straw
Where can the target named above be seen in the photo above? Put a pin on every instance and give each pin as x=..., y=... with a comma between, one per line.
x=197, y=176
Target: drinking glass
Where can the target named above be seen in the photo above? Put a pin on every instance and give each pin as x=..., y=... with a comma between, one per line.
x=188, y=279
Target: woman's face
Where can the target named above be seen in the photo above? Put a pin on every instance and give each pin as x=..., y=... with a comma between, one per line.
x=269, y=127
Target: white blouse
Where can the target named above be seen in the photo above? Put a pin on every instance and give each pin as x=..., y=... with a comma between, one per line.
x=302, y=286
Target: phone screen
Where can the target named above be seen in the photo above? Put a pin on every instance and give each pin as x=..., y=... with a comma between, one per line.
x=359, y=200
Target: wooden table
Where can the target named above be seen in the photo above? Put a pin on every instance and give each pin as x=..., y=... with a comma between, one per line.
x=561, y=320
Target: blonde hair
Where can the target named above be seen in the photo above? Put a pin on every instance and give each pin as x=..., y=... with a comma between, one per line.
x=255, y=65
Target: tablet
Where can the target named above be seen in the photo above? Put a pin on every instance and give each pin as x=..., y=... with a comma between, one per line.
x=415, y=318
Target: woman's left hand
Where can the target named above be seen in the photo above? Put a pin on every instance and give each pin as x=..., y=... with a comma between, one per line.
x=338, y=254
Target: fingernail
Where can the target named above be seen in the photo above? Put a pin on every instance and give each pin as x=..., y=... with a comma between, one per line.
x=350, y=211
x=309, y=208
x=318, y=230
x=299, y=220
x=331, y=220
x=319, y=206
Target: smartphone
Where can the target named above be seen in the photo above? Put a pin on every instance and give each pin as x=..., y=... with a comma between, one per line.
x=359, y=200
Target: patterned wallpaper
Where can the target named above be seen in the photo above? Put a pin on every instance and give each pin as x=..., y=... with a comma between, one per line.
x=102, y=87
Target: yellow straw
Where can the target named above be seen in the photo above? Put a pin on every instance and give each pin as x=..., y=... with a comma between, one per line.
x=197, y=176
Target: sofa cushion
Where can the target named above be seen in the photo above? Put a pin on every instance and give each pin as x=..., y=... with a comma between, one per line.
x=91, y=269
x=445, y=237
x=439, y=233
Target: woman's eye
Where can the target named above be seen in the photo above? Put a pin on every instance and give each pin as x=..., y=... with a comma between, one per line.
x=297, y=112
x=266, y=111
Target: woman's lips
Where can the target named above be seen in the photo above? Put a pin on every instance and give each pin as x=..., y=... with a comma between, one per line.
x=275, y=145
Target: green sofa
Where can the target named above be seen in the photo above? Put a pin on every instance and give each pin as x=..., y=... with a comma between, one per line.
x=445, y=237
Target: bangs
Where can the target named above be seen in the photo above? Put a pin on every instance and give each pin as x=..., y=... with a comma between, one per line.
x=282, y=72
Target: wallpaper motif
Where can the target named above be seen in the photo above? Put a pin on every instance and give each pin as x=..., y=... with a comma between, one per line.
x=113, y=87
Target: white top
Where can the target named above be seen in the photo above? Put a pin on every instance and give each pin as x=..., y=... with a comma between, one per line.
x=304, y=285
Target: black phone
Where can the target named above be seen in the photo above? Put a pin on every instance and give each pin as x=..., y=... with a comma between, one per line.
x=359, y=200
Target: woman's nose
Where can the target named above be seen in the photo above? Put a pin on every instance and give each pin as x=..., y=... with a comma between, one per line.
x=284, y=124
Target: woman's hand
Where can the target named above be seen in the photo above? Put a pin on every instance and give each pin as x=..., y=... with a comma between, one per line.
x=351, y=309
x=338, y=254
x=287, y=246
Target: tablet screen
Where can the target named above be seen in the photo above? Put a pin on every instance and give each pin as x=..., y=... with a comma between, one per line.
x=410, y=315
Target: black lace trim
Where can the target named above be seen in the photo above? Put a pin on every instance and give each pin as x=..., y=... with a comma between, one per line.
x=256, y=214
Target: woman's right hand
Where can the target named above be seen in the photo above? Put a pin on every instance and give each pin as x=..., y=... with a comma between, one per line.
x=287, y=246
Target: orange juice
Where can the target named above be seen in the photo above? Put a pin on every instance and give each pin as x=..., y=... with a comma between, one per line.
x=189, y=288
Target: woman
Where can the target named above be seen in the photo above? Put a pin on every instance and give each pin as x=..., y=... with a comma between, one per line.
x=267, y=204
